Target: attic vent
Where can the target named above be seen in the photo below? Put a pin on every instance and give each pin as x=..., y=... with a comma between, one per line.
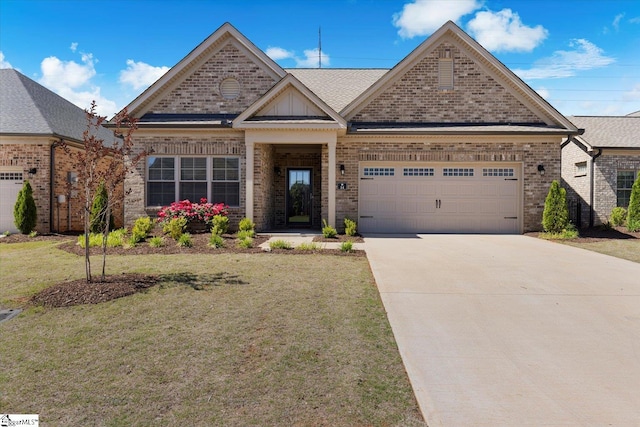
x=445, y=70
x=230, y=88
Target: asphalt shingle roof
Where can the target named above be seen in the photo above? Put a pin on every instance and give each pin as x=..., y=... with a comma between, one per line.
x=28, y=108
x=609, y=131
x=337, y=86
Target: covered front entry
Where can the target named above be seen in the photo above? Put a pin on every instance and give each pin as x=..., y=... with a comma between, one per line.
x=440, y=198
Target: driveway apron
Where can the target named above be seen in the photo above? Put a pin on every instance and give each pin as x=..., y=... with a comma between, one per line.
x=512, y=330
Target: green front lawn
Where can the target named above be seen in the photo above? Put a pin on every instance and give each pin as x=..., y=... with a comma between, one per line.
x=621, y=248
x=269, y=340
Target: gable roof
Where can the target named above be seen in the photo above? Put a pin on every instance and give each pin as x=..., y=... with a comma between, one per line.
x=482, y=58
x=331, y=119
x=338, y=86
x=634, y=114
x=197, y=56
x=609, y=131
x=29, y=109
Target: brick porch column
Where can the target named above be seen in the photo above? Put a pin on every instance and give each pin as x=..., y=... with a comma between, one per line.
x=332, y=183
x=250, y=145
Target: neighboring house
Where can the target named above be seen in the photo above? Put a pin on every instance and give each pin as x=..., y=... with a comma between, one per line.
x=600, y=166
x=33, y=123
x=448, y=140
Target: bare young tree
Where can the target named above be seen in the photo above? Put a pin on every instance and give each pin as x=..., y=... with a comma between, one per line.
x=98, y=163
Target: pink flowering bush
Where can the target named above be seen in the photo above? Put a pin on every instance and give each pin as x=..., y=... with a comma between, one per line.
x=192, y=212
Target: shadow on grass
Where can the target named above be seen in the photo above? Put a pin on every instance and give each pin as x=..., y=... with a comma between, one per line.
x=202, y=281
x=606, y=233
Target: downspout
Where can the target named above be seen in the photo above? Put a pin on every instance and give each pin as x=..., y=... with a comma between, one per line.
x=591, y=185
x=52, y=177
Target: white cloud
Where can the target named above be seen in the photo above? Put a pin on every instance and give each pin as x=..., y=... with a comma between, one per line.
x=565, y=63
x=73, y=46
x=3, y=63
x=635, y=20
x=422, y=17
x=141, y=75
x=616, y=21
x=72, y=81
x=278, y=53
x=503, y=31
x=544, y=92
x=311, y=59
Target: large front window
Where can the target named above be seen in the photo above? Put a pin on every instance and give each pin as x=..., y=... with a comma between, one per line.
x=623, y=187
x=170, y=179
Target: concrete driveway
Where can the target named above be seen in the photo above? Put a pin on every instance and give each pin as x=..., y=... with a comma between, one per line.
x=512, y=330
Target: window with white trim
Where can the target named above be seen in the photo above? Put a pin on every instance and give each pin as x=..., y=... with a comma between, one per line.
x=581, y=169
x=623, y=187
x=457, y=172
x=171, y=179
x=225, y=186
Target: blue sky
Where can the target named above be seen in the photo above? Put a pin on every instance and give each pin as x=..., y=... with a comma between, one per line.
x=583, y=56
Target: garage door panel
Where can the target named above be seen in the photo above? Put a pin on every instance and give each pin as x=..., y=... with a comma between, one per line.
x=10, y=186
x=441, y=202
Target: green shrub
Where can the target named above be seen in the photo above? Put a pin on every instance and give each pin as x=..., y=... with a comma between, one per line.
x=618, y=216
x=6, y=233
x=328, y=231
x=350, y=227
x=555, y=217
x=280, y=244
x=98, y=216
x=156, y=242
x=34, y=233
x=245, y=243
x=175, y=227
x=243, y=234
x=116, y=238
x=633, y=211
x=246, y=225
x=95, y=240
x=220, y=225
x=308, y=246
x=184, y=241
x=346, y=246
x=132, y=242
x=216, y=241
x=142, y=227
x=24, y=211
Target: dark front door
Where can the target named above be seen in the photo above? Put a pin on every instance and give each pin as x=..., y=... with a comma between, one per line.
x=299, y=197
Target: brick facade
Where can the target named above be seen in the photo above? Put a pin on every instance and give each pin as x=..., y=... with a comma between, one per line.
x=220, y=143
x=25, y=156
x=578, y=185
x=606, y=177
x=476, y=96
x=530, y=152
x=67, y=216
x=200, y=92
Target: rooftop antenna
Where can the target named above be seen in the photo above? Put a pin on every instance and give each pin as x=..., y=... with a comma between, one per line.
x=319, y=47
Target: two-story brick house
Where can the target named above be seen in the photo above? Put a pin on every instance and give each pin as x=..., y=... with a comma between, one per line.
x=448, y=140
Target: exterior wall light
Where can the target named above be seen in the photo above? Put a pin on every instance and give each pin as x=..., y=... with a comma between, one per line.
x=33, y=171
x=341, y=169
x=277, y=170
x=541, y=169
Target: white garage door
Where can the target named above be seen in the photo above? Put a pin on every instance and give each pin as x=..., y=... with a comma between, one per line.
x=439, y=198
x=10, y=185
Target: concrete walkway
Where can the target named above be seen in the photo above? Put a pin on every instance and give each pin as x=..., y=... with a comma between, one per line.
x=512, y=330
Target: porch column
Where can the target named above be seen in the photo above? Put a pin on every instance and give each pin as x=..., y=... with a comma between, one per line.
x=332, y=183
x=249, y=179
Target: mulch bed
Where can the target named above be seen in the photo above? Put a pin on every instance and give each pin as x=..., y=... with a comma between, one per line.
x=599, y=234
x=339, y=239
x=80, y=292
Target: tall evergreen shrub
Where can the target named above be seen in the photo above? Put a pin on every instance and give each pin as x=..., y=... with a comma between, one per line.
x=98, y=216
x=24, y=211
x=633, y=211
x=555, y=217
